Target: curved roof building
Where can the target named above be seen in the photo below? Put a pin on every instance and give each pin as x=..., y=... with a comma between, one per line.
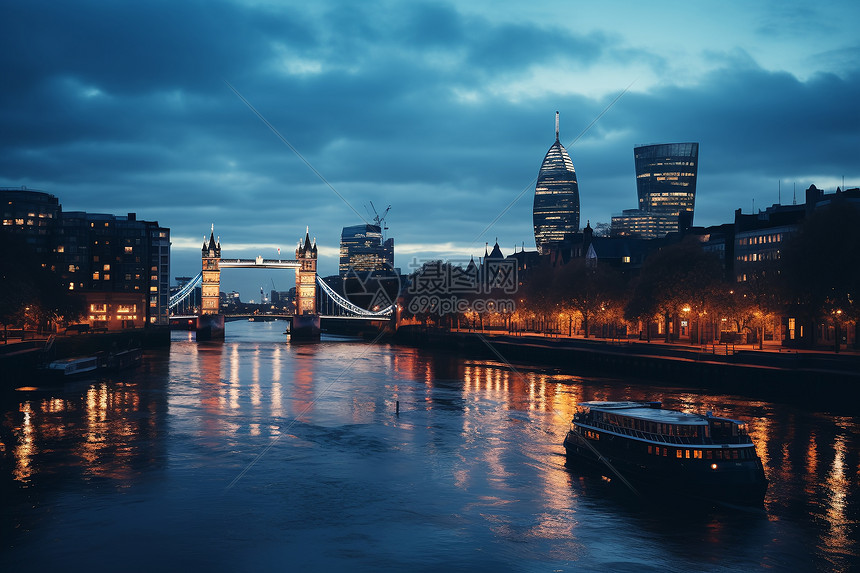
x=556, y=206
x=666, y=180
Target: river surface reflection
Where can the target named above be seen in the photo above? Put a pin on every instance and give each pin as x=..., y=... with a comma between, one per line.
x=257, y=454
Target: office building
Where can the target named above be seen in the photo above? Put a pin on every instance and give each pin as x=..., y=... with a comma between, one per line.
x=556, y=204
x=666, y=179
x=638, y=223
x=362, y=249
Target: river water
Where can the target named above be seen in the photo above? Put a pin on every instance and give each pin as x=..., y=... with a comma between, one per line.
x=256, y=454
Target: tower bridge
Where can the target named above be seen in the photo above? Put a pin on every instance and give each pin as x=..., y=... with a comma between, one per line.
x=305, y=321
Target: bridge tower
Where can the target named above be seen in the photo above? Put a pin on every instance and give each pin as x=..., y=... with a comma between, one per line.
x=210, y=290
x=306, y=276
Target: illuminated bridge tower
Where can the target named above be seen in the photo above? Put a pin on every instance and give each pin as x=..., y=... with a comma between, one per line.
x=306, y=276
x=210, y=321
x=210, y=289
x=306, y=322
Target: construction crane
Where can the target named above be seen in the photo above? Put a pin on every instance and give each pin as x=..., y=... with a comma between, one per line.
x=378, y=219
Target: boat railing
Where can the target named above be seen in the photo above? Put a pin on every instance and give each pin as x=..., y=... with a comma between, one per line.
x=689, y=440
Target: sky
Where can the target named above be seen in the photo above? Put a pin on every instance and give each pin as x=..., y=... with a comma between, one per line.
x=264, y=118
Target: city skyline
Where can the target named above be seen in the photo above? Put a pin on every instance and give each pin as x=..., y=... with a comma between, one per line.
x=439, y=109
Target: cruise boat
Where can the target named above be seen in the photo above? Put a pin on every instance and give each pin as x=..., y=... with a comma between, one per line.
x=644, y=445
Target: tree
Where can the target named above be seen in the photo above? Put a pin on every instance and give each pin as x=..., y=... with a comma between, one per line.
x=538, y=293
x=678, y=276
x=30, y=292
x=592, y=289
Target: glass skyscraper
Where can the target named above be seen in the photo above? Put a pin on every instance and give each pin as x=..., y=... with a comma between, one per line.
x=556, y=206
x=363, y=250
x=666, y=180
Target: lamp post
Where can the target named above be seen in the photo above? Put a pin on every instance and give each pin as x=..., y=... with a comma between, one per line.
x=837, y=314
x=686, y=311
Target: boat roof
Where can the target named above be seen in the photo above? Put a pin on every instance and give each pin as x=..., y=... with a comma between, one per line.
x=65, y=361
x=650, y=411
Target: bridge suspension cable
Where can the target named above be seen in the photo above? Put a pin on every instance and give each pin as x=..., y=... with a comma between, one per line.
x=353, y=308
x=185, y=291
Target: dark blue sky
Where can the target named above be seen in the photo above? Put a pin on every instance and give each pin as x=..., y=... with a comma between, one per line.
x=443, y=110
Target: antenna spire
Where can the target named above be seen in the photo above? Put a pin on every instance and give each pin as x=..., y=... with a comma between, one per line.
x=556, y=126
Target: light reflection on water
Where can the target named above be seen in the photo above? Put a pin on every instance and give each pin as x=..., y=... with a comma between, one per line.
x=283, y=452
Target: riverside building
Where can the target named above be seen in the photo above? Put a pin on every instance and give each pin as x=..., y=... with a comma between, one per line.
x=120, y=265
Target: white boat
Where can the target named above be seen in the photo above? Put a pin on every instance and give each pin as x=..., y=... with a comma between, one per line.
x=73, y=367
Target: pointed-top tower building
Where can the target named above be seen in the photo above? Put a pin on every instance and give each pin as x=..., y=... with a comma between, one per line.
x=210, y=288
x=306, y=276
x=556, y=205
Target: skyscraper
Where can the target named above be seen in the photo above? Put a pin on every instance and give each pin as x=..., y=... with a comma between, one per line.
x=556, y=205
x=666, y=180
x=363, y=250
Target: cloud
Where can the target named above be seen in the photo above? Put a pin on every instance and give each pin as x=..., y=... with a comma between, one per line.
x=441, y=113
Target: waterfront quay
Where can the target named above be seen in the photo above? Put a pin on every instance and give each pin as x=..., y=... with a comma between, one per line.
x=797, y=375
x=255, y=453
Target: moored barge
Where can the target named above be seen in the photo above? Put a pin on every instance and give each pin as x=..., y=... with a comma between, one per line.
x=641, y=443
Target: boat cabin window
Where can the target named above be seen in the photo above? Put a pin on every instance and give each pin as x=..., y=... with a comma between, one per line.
x=726, y=428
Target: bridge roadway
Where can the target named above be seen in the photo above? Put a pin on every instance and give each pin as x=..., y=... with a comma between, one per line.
x=259, y=263
x=265, y=317
x=289, y=317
